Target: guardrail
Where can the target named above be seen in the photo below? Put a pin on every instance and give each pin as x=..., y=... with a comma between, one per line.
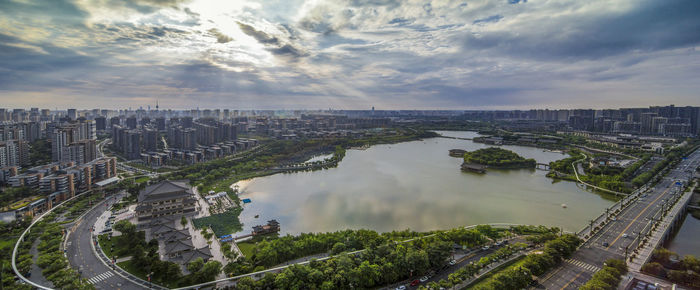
x=27, y=230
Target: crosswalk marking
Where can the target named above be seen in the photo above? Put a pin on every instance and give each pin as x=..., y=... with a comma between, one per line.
x=100, y=277
x=583, y=265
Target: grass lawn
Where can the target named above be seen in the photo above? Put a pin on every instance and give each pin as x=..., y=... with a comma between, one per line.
x=246, y=248
x=105, y=244
x=141, y=179
x=223, y=223
x=486, y=278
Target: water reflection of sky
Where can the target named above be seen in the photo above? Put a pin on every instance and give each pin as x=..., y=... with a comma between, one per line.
x=416, y=185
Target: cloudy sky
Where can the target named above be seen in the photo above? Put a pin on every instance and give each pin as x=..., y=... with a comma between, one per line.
x=349, y=54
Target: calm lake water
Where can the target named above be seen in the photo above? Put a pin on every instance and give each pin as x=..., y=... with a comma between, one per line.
x=685, y=242
x=417, y=185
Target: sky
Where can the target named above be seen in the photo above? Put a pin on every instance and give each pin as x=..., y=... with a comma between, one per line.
x=349, y=54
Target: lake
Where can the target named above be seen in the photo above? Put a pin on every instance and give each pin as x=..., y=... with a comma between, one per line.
x=417, y=185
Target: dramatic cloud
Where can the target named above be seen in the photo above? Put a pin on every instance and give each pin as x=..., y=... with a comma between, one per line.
x=349, y=54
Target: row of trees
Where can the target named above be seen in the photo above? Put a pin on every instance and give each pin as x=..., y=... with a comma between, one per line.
x=514, y=277
x=498, y=157
x=52, y=262
x=11, y=231
x=276, y=251
x=380, y=264
x=673, y=156
x=667, y=264
x=608, y=277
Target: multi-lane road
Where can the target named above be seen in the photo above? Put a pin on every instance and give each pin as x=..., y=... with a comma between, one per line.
x=620, y=233
x=81, y=256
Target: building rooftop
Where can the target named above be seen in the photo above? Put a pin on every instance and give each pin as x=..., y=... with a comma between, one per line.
x=165, y=190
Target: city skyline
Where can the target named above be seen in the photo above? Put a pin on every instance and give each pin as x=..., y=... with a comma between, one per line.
x=471, y=55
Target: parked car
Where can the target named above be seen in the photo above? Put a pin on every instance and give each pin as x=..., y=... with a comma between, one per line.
x=401, y=287
x=625, y=235
x=452, y=262
x=415, y=282
x=605, y=244
x=424, y=278
x=485, y=248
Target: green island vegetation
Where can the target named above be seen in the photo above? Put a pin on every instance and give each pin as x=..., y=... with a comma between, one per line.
x=668, y=265
x=607, y=278
x=498, y=158
x=223, y=223
x=517, y=274
x=145, y=258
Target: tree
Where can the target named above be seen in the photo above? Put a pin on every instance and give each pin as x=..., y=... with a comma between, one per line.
x=183, y=221
x=210, y=270
x=246, y=283
x=196, y=265
x=338, y=248
x=655, y=269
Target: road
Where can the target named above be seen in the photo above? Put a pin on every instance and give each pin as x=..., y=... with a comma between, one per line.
x=81, y=256
x=613, y=238
x=463, y=258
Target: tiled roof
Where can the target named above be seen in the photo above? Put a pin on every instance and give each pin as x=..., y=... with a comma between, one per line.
x=179, y=246
x=165, y=190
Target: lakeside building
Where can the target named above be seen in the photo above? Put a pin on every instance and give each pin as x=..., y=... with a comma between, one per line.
x=166, y=198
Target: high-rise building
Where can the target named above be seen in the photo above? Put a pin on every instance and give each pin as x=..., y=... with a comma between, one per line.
x=131, y=122
x=101, y=123
x=74, y=142
x=160, y=123
x=132, y=144
x=150, y=139
x=114, y=121
x=73, y=114
x=14, y=153
x=647, y=121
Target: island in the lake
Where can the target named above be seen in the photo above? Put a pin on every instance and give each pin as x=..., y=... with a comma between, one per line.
x=494, y=157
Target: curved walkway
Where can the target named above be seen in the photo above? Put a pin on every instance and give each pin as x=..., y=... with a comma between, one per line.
x=591, y=185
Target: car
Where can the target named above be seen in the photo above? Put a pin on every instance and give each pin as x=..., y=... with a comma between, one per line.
x=452, y=262
x=625, y=235
x=402, y=287
x=485, y=248
x=614, y=218
x=497, y=244
x=415, y=282
x=424, y=278
x=605, y=244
